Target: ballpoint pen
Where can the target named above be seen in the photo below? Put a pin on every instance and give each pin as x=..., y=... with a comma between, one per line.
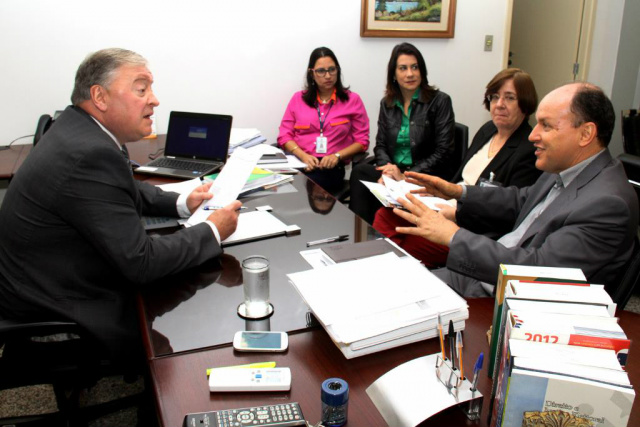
x=217, y=208
x=441, y=337
x=452, y=345
x=340, y=238
x=476, y=371
x=459, y=346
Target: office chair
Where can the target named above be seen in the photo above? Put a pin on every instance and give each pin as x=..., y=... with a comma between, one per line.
x=629, y=280
x=44, y=123
x=61, y=354
x=461, y=143
x=631, y=132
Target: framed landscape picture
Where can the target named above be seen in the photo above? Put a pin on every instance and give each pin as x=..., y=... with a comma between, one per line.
x=408, y=18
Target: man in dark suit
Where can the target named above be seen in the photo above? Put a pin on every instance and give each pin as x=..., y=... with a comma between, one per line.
x=72, y=245
x=580, y=213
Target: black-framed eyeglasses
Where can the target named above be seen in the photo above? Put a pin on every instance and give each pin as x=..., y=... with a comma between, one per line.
x=508, y=98
x=320, y=72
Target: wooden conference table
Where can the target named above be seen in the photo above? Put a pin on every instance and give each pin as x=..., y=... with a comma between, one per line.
x=12, y=158
x=188, y=320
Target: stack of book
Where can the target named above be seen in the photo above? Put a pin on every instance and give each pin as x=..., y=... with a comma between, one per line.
x=260, y=179
x=561, y=354
x=371, y=304
x=245, y=137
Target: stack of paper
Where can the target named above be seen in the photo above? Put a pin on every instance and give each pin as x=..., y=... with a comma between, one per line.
x=260, y=179
x=245, y=137
x=372, y=304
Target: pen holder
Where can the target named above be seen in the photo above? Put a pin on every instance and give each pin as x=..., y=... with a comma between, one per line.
x=460, y=388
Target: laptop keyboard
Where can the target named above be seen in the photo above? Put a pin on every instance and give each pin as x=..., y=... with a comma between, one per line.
x=180, y=164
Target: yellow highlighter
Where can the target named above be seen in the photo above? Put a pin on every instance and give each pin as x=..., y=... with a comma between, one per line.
x=250, y=365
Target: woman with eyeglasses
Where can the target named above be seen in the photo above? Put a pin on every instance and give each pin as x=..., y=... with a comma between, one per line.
x=416, y=126
x=325, y=124
x=500, y=155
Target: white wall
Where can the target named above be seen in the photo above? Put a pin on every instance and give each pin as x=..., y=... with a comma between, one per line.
x=244, y=58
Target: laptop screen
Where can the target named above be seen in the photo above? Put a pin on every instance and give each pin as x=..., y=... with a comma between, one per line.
x=198, y=136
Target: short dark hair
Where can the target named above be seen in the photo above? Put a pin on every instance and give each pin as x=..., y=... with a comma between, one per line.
x=99, y=68
x=310, y=94
x=392, y=92
x=590, y=104
x=525, y=89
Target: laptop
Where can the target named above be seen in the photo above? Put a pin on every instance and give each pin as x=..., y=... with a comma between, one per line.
x=197, y=144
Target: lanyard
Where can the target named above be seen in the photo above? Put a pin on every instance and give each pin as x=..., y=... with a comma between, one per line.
x=320, y=118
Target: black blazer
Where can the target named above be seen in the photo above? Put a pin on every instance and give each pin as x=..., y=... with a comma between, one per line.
x=71, y=242
x=515, y=162
x=431, y=133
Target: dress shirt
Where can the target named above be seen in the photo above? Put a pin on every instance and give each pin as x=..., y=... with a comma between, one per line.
x=402, y=154
x=181, y=203
x=344, y=124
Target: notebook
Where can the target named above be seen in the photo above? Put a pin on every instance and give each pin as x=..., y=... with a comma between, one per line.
x=197, y=145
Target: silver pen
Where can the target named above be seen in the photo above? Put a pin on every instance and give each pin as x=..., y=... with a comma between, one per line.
x=340, y=238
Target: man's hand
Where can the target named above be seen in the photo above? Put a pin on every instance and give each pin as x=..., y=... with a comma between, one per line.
x=226, y=219
x=328, y=162
x=434, y=186
x=390, y=170
x=197, y=196
x=429, y=224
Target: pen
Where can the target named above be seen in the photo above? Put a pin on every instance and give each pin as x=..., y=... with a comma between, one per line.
x=459, y=346
x=216, y=208
x=250, y=365
x=441, y=337
x=452, y=345
x=476, y=371
x=340, y=238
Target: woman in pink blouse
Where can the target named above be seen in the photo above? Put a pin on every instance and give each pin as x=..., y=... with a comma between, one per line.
x=325, y=124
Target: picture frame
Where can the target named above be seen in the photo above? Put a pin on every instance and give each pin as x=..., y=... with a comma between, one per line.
x=409, y=19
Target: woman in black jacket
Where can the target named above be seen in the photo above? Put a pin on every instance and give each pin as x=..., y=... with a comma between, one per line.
x=415, y=130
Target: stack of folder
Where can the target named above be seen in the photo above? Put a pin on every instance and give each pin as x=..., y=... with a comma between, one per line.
x=245, y=137
x=372, y=304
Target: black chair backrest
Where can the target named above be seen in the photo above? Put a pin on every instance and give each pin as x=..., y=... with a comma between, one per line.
x=461, y=142
x=627, y=284
x=631, y=132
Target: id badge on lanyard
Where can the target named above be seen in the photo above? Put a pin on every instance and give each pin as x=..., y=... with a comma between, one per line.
x=321, y=141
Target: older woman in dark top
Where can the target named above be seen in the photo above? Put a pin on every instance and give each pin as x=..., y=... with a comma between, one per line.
x=415, y=130
x=500, y=154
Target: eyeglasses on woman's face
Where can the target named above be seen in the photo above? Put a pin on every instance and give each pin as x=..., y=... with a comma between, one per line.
x=321, y=72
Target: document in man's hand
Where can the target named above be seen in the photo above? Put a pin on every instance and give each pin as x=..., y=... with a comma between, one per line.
x=228, y=184
x=389, y=193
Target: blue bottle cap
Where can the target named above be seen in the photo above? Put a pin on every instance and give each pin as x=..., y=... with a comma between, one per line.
x=335, y=392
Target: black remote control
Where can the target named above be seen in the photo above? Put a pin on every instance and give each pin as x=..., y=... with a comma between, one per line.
x=284, y=415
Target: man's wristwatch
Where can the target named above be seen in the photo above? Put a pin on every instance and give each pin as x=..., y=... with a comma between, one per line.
x=337, y=155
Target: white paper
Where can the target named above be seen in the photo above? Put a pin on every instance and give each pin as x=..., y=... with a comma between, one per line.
x=182, y=187
x=292, y=162
x=240, y=135
x=229, y=182
x=411, y=393
x=366, y=286
x=389, y=199
x=255, y=224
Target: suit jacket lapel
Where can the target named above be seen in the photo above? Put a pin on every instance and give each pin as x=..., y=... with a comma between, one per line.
x=567, y=196
x=509, y=147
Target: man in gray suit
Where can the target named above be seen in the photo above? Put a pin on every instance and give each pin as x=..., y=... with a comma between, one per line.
x=72, y=245
x=580, y=213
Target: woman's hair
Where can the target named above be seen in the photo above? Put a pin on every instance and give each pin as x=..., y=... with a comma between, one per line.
x=392, y=92
x=525, y=89
x=310, y=94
